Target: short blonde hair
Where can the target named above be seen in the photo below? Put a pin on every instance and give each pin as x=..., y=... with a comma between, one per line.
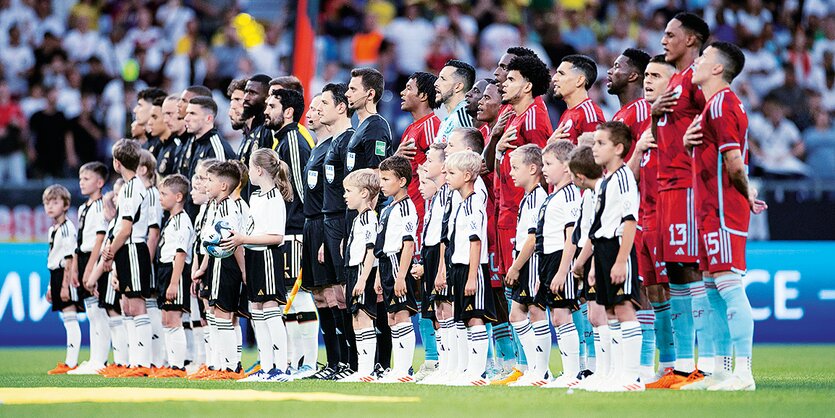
x=530, y=154
x=560, y=149
x=147, y=160
x=367, y=179
x=466, y=161
x=57, y=191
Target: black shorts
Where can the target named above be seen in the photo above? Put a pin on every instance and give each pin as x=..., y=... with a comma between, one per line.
x=568, y=297
x=586, y=291
x=480, y=305
x=431, y=258
x=367, y=302
x=56, y=281
x=335, y=239
x=204, y=288
x=389, y=265
x=314, y=273
x=226, y=279
x=109, y=296
x=264, y=275
x=83, y=259
x=133, y=265
x=293, y=249
x=182, y=302
x=608, y=294
x=501, y=304
x=525, y=288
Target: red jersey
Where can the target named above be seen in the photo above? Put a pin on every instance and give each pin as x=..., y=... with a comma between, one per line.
x=581, y=119
x=648, y=186
x=532, y=127
x=674, y=164
x=636, y=116
x=724, y=127
x=422, y=132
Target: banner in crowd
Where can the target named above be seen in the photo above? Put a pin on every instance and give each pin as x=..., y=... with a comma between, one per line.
x=789, y=284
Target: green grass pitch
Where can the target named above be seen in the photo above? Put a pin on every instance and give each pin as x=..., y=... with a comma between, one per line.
x=793, y=381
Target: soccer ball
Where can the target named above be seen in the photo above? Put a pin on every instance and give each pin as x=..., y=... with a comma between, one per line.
x=222, y=231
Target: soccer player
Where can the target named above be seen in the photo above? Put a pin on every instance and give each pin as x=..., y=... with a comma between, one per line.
x=678, y=240
x=488, y=108
x=142, y=116
x=128, y=254
x=453, y=83
x=92, y=228
x=152, y=210
x=472, y=97
x=615, y=266
x=166, y=150
x=523, y=277
x=173, y=272
x=644, y=165
x=179, y=137
x=394, y=248
x=254, y=102
x=63, y=289
x=571, y=82
x=264, y=251
x=468, y=263
x=337, y=328
x=558, y=290
x=362, y=187
x=188, y=138
x=718, y=138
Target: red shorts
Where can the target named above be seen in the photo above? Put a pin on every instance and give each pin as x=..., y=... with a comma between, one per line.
x=677, y=232
x=495, y=277
x=720, y=250
x=504, y=249
x=650, y=270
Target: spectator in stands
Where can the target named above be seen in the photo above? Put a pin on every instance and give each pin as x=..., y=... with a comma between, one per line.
x=578, y=34
x=820, y=147
x=776, y=144
x=81, y=42
x=411, y=50
x=12, y=141
x=53, y=144
x=87, y=131
x=17, y=60
x=791, y=94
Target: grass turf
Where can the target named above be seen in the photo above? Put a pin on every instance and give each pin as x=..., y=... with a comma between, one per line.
x=791, y=381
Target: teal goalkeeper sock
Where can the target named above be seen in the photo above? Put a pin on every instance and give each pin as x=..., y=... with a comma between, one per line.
x=701, y=319
x=580, y=324
x=490, y=351
x=647, y=320
x=664, y=332
x=684, y=334
x=718, y=320
x=504, y=343
x=588, y=330
x=740, y=317
x=427, y=335
x=520, y=352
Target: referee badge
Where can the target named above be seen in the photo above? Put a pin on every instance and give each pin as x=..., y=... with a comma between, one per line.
x=329, y=173
x=350, y=159
x=380, y=148
x=312, y=179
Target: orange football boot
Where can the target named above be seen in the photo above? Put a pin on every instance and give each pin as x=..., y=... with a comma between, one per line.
x=669, y=379
x=60, y=368
x=694, y=377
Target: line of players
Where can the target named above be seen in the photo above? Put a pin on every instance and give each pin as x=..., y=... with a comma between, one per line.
x=576, y=262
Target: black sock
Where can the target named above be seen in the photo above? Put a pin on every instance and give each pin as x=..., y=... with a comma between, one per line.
x=339, y=324
x=349, y=354
x=384, y=337
x=329, y=336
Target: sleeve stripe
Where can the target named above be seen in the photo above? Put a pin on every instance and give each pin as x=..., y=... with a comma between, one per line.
x=217, y=147
x=295, y=166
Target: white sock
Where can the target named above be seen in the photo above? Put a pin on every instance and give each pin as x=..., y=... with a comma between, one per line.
x=119, y=339
x=309, y=343
x=542, y=336
x=449, y=362
x=209, y=332
x=477, y=350
x=99, y=331
x=158, y=350
x=274, y=325
x=143, y=340
x=438, y=344
x=463, y=347
x=707, y=364
x=263, y=340
x=602, y=349
x=295, y=351
x=616, y=358
x=73, y=338
x=175, y=341
x=743, y=367
x=239, y=341
x=189, y=330
x=591, y=363
x=366, y=339
x=631, y=348
x=724, y=365
x=569, y=349
x=226, y=345
x=403, y=347
x=524, y=331
x=130, y=331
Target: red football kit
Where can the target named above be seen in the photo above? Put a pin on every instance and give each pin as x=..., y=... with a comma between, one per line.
x=581, y=119
x=422, y=132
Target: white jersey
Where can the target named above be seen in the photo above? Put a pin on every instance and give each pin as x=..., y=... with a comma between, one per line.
x=201, y=225
x=528, y=215
x=91, y=222
x=176, y=237
x=362, y=237
x=61, y=244
x=434, y=215
x=559, y=212
x=584, y=221
x=398, y=224
x=154, y=208
x=133, y=207
x=267, y=215
x=617, y=202
x=468, y=223
x=230, y=211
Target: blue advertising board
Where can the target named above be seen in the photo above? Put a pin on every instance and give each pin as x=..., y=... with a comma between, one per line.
x=789, y=283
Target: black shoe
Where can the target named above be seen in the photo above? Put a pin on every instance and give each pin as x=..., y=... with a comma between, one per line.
x=323, y=374
x=379, y=371
x=341, y=372
x=584, y=374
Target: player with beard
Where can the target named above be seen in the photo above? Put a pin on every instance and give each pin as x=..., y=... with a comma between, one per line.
x=453, y=83
x=167, y=148
x=142, y=116
x=254, y=101
x=472, y=97
x=187, y=139
x=235, y=91
x=571, y=82
x=337, y=326
x=289, y=82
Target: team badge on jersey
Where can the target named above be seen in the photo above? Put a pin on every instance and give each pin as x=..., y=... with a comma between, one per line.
x=164, y=163
x=568, y=125
x=312, y=179
x=350, y=159
x=677, y=91
x=329, y=173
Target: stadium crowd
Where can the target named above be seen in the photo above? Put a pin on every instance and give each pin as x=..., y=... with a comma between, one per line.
x=71, y=69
